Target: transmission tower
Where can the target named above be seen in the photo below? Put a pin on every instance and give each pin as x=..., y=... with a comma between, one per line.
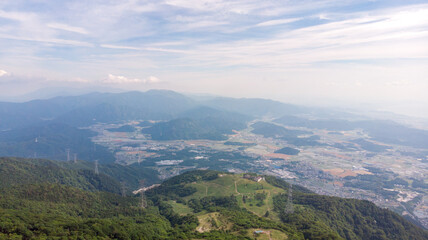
x=96, y=167
x=68, y=154
x=123, y=189
x=143, y=196
x=289, y=208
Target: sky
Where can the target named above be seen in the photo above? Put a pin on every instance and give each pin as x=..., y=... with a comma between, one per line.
x=359, y=53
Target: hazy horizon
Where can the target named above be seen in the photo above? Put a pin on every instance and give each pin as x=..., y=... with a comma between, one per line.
x=365, y=109
x=357, y=54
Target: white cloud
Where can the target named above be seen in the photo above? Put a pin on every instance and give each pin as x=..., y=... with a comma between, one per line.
x=119, y=47
x=78, y=80
x=399, y=83
x=249, y=7
x=190, y=41
x=117, y=79
x=277, y=22
x=203, y=24
x=17, y=16
x=324, y=17
x=152, y=79
x=3, y=73
x=155, y=49
x=378, y=35
x=68, y=28
x=56, y=41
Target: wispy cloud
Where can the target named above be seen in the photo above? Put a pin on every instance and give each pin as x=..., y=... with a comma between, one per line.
x=68, y=28
x=117, y=79
x=277, y=22
x=16, y=16
x=190, y=41
x=57, y=41
x=30, y=79
x=3, y=73
x=398, y=33
x=155, y=49
x=119, y=47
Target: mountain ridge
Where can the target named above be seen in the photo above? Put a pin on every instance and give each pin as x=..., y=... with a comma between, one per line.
x=199, y=204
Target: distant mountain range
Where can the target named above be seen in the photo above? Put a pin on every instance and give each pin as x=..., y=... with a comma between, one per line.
x=87, y=109
x=90, y=108
x=380, y=130
x=55, y=122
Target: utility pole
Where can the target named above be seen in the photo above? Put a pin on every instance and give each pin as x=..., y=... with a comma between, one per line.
x=68, y=154
x=35, y=153
x=96, y=167
x=289, y=208
x=123, y=188
x=143, y=197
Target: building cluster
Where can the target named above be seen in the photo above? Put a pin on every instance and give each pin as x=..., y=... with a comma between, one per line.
x=252, y=177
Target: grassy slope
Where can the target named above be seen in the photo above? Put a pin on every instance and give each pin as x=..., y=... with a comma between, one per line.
x=225, y=186
x=313, y=221
x=179, y=208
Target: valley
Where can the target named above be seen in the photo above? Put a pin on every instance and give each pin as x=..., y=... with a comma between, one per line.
x=158, y=134
x=334, y=165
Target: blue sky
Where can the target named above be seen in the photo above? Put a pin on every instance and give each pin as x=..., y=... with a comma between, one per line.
x=310, y=52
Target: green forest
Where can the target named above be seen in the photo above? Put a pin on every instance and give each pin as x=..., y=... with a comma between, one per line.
x=42, y=199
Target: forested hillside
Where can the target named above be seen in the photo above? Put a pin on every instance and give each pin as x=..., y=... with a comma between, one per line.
x=111, y=177
x=213, y=128
x=51, y=140
x=43, y=199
